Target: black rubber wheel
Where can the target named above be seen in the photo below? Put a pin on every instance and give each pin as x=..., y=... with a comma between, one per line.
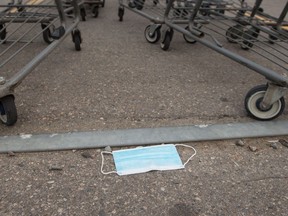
x=246, y=43
x=152, y=38
x=248, y=37
x=273, y=38
x=47, y=33
x=103, y=3
x=205, y=9
x=120, y=13
x=187, y=38
x=220, y=11
x=8, y=112
x=76, y=37
x=3, y=32
x=253, y=101
x=83, y=14
x=261, y=10
x=165, y=44
x=139, y=4
x=95, y=11
x=234, y=33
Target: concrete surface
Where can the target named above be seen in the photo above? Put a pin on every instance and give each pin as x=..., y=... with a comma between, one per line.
x=120, y=81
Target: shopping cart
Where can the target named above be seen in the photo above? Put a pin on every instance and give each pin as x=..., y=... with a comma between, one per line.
x=262, y=37
x=22, y=24
x=92, y=5
x=178, y=12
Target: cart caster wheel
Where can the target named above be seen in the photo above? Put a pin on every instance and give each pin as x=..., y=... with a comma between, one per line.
x=261, y=10
x=253, y=105
x=272, y=38
x=155, y=37
x=120, y=13
x=220, y=11
x=8, y=112
x=246, y=45
x=83, y=14
x=205, y=11
x=76, y=37
x=234, y=33
x=47, y=33
x=165, y=43
x=248, y=37
x=95, y=11
x=187, y=38
x=139, y=4
x=103, y=3
x=3, y=32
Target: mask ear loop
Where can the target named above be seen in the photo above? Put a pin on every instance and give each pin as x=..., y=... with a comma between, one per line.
x=190, y=158
x=102, y=163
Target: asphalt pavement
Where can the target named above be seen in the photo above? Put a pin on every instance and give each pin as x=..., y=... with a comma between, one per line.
x=119, y=81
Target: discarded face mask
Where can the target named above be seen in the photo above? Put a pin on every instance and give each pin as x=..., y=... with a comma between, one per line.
x=145, y=159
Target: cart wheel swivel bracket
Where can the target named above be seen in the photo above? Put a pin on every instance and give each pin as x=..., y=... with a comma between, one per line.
x=273, y=93
x=58, y=33
x=153, y=29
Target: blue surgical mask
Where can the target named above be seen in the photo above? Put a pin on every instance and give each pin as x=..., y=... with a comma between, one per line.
x=145, y=159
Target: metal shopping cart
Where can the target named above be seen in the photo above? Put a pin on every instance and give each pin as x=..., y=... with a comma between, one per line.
x=263, y=35
x=263, y=38
x=153, y=10
x=84, y=5
x=94, y=6
x=178, y=12
x=22, y=25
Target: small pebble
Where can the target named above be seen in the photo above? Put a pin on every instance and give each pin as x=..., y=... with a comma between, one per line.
x=11, y=154
x=223, y=99
x=273, y=145
x=55, y=168
x=20, y=164
x=253, y=148
x=86, y=155
x=102, y=213
x=108, y=149
x=283, y=142
x=240, y=143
